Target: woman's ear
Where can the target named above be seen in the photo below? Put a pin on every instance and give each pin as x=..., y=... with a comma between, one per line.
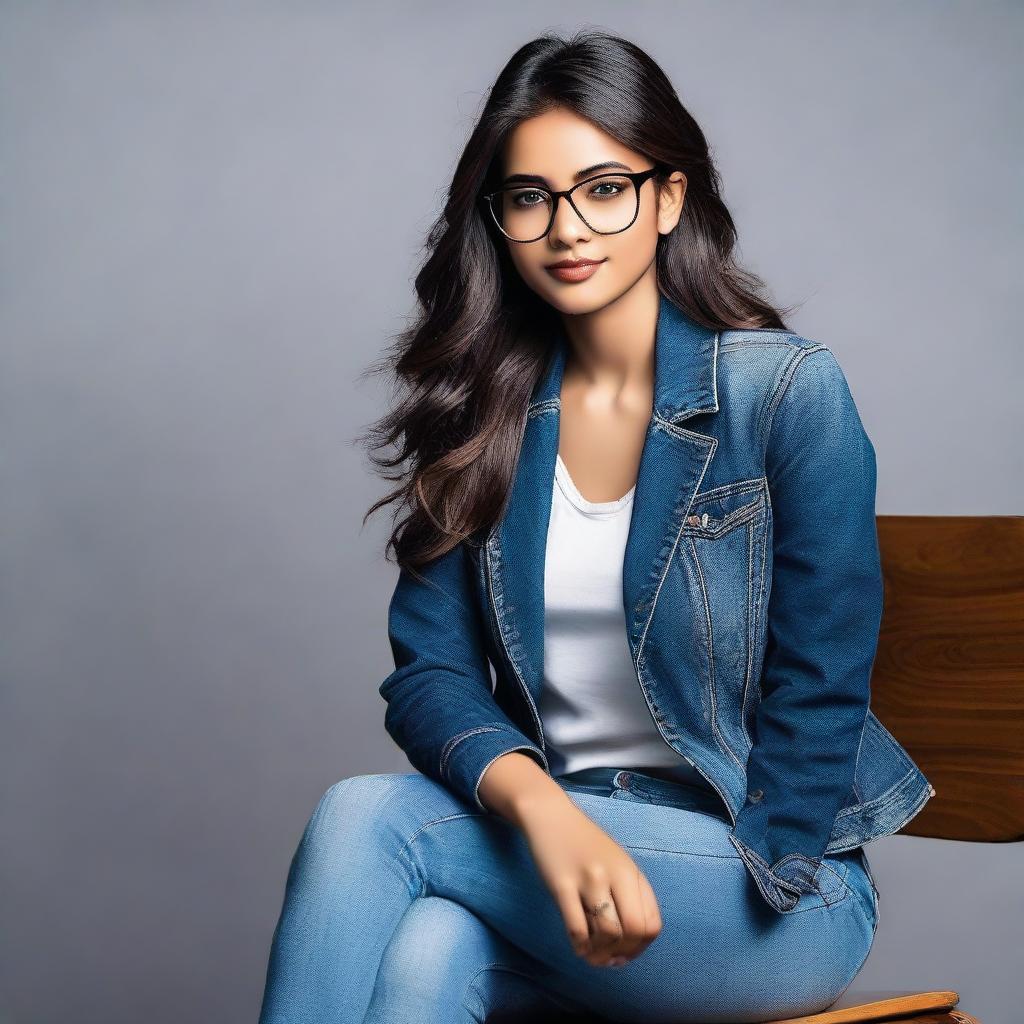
x=670, y=202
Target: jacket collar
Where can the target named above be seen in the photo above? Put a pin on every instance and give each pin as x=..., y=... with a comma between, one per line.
x=673, y=462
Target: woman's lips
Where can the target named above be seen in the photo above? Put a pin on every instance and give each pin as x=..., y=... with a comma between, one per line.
x=573, y=274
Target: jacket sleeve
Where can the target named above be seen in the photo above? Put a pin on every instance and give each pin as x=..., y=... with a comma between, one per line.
x=440, y=706
x=823, y=618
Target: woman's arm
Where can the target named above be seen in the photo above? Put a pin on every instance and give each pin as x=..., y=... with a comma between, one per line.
x=442, y=713
x=441, y=710
x=581, y=864
x=823, y=619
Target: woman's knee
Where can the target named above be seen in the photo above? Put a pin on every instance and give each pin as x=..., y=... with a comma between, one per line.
x=374, y=792
x=364, y=811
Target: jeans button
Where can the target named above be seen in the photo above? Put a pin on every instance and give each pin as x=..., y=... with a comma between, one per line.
x=624, y=780
x=754, y=795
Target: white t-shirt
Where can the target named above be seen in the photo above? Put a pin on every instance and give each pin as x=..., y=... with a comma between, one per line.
x=592, y=708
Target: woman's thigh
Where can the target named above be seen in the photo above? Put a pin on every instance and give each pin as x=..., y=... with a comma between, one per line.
x=722, y=954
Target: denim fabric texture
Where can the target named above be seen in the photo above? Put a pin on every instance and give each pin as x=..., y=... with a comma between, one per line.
x=752, y=588
x=406, y=903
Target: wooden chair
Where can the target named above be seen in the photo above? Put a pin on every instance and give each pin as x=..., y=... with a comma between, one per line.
x=948, y=683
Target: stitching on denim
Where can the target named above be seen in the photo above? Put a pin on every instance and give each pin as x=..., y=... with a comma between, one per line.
x=735, y=487
x=678, y=415
x=809, y=861
x=816, y=868
x=761, y=342
x=711, y=660
x=726, y=525
x=844, y=890
x=682, y=431
x=756, y=864
x=671, y=554
x=745, y=331
x=761, y=863
x=403, y=854
x=856, y=762
x=673, y=428
x=866, y=903
x=714, y=367
x=641, y=793
x=732, y=858
x=491, y=615
x=788, y=373
x=838, y=836
x=764, y=564
x=456, y=740
x=873, y=722
x=879, y=801
x=494, y=577
x=539, y=408
x=748, y=671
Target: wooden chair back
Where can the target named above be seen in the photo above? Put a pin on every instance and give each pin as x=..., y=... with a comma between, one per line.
x=948, y=678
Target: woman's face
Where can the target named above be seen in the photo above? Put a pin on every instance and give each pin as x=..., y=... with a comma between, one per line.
x=563, y=149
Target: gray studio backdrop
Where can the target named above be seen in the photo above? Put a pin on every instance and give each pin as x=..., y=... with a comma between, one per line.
x=210, y=220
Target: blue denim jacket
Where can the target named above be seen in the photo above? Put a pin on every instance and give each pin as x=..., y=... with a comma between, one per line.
x=752, y=589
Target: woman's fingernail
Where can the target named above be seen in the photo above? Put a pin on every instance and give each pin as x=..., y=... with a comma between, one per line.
x=618, y=961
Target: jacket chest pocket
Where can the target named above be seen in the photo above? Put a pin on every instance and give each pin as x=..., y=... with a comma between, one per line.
x=723, y=509
x=725, y=547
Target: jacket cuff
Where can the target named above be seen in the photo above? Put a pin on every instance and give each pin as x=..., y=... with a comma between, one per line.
x=468, y=755
x=782, y=883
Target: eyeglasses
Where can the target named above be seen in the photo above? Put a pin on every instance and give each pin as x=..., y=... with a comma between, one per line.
x=607, y=204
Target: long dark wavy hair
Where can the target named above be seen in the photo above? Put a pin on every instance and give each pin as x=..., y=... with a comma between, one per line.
x=469, y=363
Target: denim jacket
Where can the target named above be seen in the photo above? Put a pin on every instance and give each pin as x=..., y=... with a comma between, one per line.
x=752, y=590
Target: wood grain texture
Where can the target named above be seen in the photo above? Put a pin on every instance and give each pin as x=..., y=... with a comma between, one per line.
x=933, y=1007
x=948, y=678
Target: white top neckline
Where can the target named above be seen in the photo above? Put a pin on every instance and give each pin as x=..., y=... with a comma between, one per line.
x=590, y=508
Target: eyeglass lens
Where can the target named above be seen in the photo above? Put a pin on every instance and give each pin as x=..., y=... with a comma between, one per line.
x=607, y=204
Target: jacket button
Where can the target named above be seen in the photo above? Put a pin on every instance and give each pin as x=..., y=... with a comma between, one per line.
x=754, y=795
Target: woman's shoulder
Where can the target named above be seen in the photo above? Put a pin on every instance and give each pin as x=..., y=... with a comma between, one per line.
x=765, y=342
x=760, y=364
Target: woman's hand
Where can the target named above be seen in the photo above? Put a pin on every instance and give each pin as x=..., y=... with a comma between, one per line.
x=609, y=908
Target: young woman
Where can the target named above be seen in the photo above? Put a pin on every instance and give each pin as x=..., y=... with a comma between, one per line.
x=637, y=609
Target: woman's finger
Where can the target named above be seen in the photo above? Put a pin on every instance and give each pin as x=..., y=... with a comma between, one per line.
x=577, y=926
x=650, y=924
x=634, y=914
x=603, y=916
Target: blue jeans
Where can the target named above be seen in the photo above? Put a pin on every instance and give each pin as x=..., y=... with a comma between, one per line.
x=405, y=905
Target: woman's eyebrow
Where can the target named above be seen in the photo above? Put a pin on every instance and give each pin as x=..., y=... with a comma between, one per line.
x=537, y=179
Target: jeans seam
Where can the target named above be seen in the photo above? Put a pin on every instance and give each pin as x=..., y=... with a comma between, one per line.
x=409, y=862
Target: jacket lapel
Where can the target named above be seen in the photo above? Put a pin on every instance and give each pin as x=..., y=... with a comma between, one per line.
x=673, y=462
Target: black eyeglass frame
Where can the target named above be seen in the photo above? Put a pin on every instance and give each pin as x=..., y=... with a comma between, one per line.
x=637, y=177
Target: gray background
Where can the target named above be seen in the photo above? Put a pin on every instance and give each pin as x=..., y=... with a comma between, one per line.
x=211, y=216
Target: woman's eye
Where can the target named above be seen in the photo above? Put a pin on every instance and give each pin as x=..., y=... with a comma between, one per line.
x=615, y=189
x=521, y=198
